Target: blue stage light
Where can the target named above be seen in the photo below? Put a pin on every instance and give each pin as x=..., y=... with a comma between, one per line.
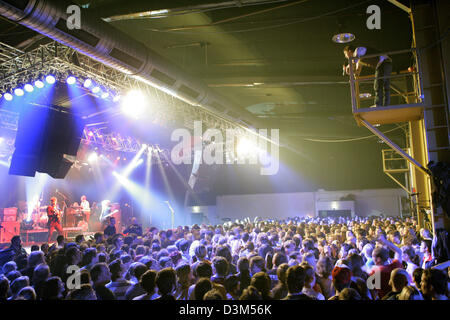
x=28, y=87
x=18, y=92
x=50, y=79
x=96, y=89
x=8, y=96
x=87, y=83
x=105, y=95
x=39, y=84
x=71, y=80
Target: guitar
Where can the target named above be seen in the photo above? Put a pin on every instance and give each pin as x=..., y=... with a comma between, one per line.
x=53, y=214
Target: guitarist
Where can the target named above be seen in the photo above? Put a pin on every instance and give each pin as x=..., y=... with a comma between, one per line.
x=54, y=218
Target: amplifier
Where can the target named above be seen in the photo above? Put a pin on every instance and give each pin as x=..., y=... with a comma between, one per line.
x=10, y=214
x=9, y=230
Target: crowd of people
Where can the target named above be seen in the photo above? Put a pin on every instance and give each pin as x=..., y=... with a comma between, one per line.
x=296, y=259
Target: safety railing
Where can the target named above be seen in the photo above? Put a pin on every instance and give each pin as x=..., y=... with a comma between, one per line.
x=404, y=81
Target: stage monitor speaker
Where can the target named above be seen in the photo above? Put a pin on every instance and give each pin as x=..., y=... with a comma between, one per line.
x=44, y=135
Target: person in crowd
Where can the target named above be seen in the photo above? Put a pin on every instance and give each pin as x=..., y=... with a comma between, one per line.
x=26, y=293
x=310, y=281
x=4, y=288
x=349, y=294
x=261, y=281
x=399, y=280
x=40, y=275
x=425, y=250
x=383, y=265
x=244, y=272
x=89, y=259
x=202, y=286
x=220, y=269
x=53, y=289
x=233, y=287
x=166, y=283
x=17, y=285
x=183, y=281
x=148, y=283
x=118, y=284
x=85, y=292
x=409, y=255
x=324, y=280
x=134, y=228
x=213, y=295
x=136, y=270
x=101, y=276
x=410, y=293
x=110, y=230
x=434, y=284
x=280, y=290
x=251, y=293
x=295, y=278
x=341, y=279
x=14, y=251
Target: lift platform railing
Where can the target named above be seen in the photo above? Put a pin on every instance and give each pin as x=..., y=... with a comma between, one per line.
x=405, y=85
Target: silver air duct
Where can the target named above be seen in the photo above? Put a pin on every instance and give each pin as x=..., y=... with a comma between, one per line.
x=102, y=42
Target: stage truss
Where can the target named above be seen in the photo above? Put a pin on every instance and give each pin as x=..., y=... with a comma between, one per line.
x=18, y=67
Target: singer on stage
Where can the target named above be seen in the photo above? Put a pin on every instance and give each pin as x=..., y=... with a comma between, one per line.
x=54, y=218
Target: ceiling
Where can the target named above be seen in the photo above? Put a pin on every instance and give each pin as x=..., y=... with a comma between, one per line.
x=275, y=60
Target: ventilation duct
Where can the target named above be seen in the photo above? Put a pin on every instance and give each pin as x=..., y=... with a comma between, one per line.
x=102, y=42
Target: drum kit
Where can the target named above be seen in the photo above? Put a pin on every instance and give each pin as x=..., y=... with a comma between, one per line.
x=38, y=219
x=75, y=215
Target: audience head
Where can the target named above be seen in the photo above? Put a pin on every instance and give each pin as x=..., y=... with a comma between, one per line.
x=251, y=293
x=166, y=281
x=148, y=281
x=295, y=278
x=341, y=277
x=202, y=286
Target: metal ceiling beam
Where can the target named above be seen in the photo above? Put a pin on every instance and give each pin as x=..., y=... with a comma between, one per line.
x=179, y=7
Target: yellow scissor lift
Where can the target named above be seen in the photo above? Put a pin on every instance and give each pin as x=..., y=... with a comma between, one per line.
x=419, y=98
x=407, y=106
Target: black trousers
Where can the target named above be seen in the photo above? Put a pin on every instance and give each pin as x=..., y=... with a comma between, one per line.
x=381, y=86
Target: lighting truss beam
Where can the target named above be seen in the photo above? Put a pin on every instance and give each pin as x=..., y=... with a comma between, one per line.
x=56, y=58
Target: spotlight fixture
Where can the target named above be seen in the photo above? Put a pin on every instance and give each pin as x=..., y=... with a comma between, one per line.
x=71, y=80
x=50, y=79
x=344, y=37
x=105, y=95
x=96, y=89
x=28, y=87
x=116, y=98
x=133, y=103
x=87, y=83
x=39, y=84
x=8, y=96
x=18, y=92
x=93, y=157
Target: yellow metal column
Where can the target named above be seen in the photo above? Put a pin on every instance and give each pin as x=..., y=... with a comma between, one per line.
x=421, y=181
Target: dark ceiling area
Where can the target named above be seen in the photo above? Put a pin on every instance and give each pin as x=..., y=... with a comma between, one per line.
x=274, y=59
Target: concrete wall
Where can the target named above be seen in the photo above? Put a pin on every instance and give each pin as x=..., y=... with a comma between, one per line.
x=283, y=205
x=276, y=205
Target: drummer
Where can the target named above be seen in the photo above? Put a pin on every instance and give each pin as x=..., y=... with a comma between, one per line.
x=85, y=209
